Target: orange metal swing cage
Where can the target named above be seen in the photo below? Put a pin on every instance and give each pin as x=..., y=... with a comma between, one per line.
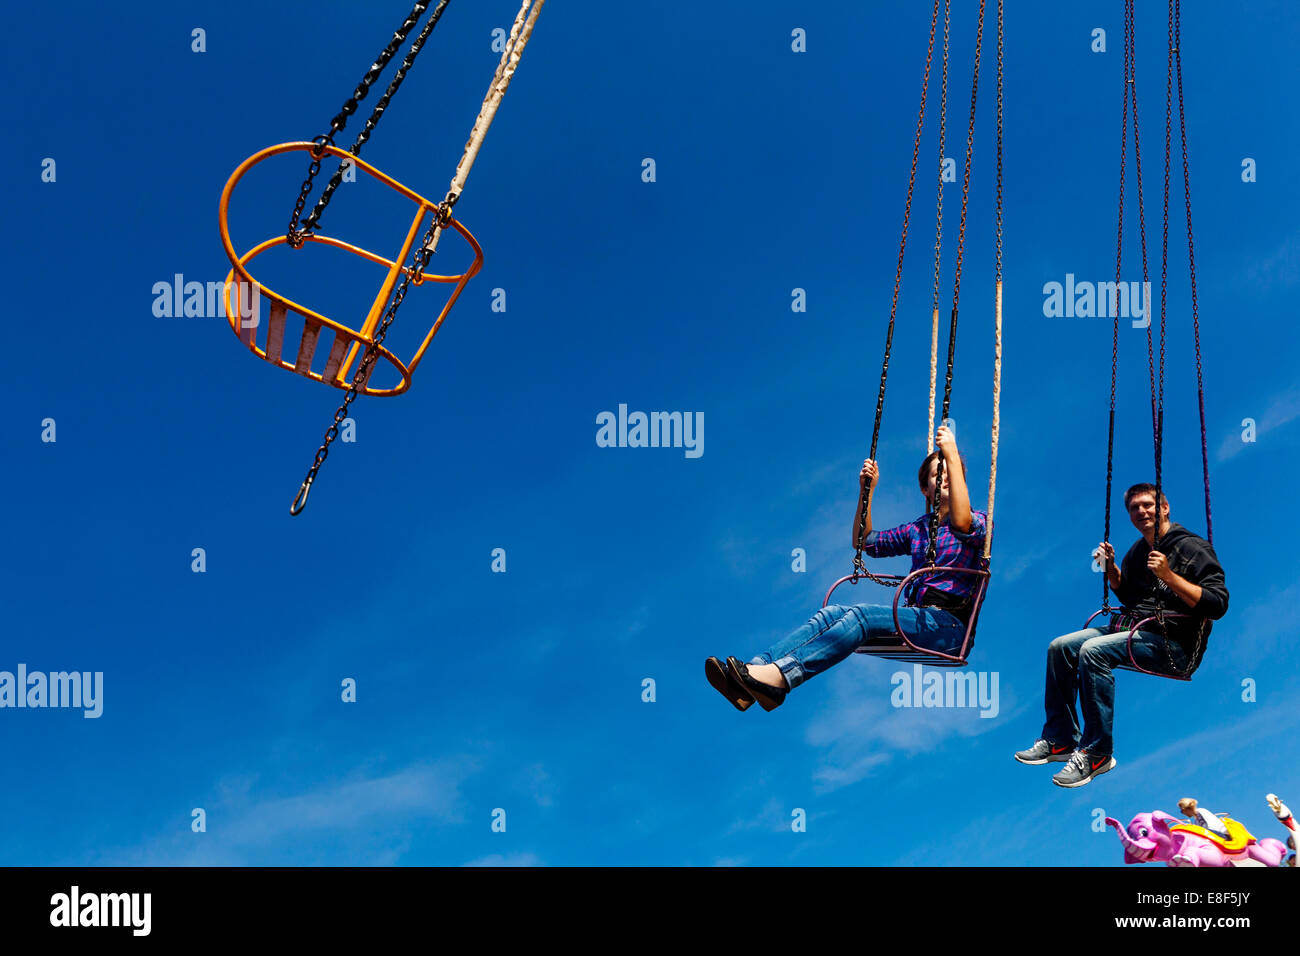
x=348, y=344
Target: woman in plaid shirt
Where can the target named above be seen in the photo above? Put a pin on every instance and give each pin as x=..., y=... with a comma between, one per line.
x=935, y=618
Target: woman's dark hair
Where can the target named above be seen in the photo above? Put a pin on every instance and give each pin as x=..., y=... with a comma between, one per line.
x=923, y=473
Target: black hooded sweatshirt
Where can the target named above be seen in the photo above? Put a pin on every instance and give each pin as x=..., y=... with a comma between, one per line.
x=1190, y=557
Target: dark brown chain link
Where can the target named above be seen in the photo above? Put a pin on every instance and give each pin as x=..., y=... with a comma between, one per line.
x=1191, y=265
x=864, y=497
x=943, y=123
x=1142, y=206
x=1158, y=379
x=998, y=227
x=1175, y=58
x=965, y=186
x=1158, y=393
x=1119, y=264
x=1130, y=94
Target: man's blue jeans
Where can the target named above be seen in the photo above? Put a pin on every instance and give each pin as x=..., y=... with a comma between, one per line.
x=837, y=630
x=1079, y=665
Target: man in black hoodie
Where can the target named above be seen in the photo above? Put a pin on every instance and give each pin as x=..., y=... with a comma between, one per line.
x=1183, y=577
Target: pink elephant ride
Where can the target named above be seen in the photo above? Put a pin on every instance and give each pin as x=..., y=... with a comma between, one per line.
x=1157, y=836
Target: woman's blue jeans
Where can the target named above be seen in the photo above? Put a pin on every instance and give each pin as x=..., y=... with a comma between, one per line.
x=1080, y=665
x=837, y=630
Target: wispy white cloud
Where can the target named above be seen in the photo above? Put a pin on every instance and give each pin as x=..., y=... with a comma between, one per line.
x=539, y=784
x=1199, y=754
x=1282, y=409
x=1263, y=626
x=814, y=513
x=1280, y=267
x=1018, y=563
x=239, y=825
x=418, y=791
x=861, y=731
x=772, y=817
x=992, y=837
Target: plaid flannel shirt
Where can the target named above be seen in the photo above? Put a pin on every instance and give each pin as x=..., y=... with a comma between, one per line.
x=952, y=549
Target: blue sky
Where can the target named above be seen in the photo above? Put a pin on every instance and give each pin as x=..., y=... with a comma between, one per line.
x=522, y=691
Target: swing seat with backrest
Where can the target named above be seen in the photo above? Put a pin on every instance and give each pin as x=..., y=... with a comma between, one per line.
x=1133, y=665
x=351, y=353
x=899, y=647
x=304, y=356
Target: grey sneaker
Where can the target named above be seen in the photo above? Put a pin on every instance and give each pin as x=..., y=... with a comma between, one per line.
x=1044, y=752
x=1082, y=767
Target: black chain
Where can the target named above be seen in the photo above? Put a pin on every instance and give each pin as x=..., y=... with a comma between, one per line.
x=1142, y=218
x=373, y=120
x=943, y=116
x=415, y=274
x=1191, y=266
x=1175, y=54
x=1158, y=393
x=296, y=234
x=864, y=497
x=1119, y=261
x=998, y=276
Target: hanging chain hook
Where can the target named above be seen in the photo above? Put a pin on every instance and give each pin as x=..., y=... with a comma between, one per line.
x=414, y=274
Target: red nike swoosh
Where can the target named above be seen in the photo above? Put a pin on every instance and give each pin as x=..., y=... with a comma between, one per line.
x=1099, y=763
x=1059, y=750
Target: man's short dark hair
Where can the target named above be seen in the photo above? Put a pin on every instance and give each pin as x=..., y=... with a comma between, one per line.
x=923, y=473
x=1143, y=488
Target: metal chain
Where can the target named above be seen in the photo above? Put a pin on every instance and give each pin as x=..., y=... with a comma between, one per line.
x=1191, y=265
x=943, y=122
x=1159, y=388
x=995, y=427
x=883, y=581
x=415, y=273
x=998, y=274
x=373, y=120
x=970, y=142
x=1158, y=395
x=938, y=226
x=1142, y=218
x=296, y=235
x=1119, y=262
x=1175, y=54
x=1157, y=385
x=864, y=497
x=931, y=549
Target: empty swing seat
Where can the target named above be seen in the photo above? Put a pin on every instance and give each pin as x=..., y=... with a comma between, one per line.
x=332, y=365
